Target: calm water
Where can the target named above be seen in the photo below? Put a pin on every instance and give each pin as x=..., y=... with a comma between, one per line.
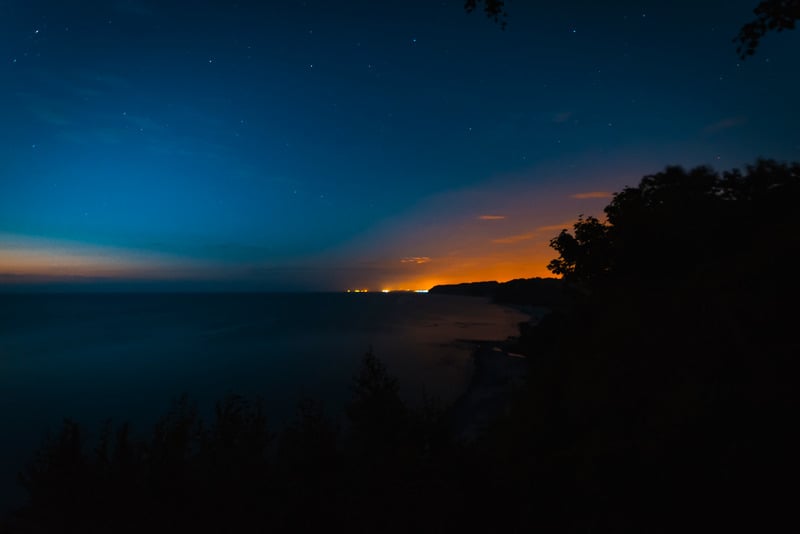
x=93, y=356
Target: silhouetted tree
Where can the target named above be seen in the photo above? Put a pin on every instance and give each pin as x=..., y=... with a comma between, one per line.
x=676, y=365
x=584, y=256
x=377, y=414
x=680, y=224
x=771, y=15
x=494, y=9
x=57, y=477
x=310, y=441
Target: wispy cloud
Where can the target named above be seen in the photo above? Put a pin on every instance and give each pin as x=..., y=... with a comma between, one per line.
x=724, y=124
x=46, y=110
x=95, y=136
x=508, y=240
x=492, y=217
x=50, y=116
x=415, y=259
x=31, y=257
x=72, y=84
x=539, y=231
x=106, y=81
x=136, y=7
x=592, y=194
x=142, y=123
x=554, y=227
x=562, y=117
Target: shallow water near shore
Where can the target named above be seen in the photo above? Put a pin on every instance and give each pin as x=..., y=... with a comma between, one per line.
x=125, y=356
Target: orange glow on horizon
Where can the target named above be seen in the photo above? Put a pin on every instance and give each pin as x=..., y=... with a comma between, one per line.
x=33, y=259
x=501, y=271
x=495, y=230
x=54, y=263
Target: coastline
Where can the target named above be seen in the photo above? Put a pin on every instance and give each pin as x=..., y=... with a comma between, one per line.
x=497, y=374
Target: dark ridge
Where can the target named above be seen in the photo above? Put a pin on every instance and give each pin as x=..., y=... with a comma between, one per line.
x=522, y=291
x=467, y=289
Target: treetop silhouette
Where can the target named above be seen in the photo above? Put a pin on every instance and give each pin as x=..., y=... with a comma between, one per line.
x=680, y=224
x=771, y=15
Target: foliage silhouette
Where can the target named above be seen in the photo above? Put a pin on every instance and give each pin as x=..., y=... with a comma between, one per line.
x=494, y=9
x=376, y=413
x=771, y=15
x=681, y=224
x=233, y=474
x=674, y=365
x=309, y=442
x=584, y=256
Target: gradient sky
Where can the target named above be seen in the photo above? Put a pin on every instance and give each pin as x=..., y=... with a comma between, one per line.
x=325, y=145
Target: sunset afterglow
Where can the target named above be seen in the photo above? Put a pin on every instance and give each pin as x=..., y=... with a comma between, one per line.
x=298, y=147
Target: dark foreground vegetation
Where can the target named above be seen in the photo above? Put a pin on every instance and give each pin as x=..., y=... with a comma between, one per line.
x=662, y=398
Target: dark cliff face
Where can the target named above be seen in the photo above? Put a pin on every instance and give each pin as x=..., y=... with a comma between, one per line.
x=529, y=291
x=469, y=289
x=532, y=291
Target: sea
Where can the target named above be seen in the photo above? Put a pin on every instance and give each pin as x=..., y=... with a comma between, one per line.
x=127, y=356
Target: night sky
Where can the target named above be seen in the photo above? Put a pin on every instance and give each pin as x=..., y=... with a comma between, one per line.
x=321, y=145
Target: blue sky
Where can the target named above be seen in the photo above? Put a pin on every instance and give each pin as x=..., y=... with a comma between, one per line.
x=320, y=145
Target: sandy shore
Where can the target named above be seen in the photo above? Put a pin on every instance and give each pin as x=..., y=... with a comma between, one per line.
x=497, y=373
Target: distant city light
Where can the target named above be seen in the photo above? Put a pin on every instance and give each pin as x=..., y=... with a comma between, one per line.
x=389, y=290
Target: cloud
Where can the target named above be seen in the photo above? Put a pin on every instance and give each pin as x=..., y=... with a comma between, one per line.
x=107, y=81
x=72, y=84
x=592, y=194
x=564, y=116
x=514, y=238
x=54, y=259
x=50, y=116
x=47, y=110
x=142, y=123
x=102, y=136
x=492, y=217
x=415, y=259
x=724, y=124
x=527, y=236
x=554, y=227
x=136, y=7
